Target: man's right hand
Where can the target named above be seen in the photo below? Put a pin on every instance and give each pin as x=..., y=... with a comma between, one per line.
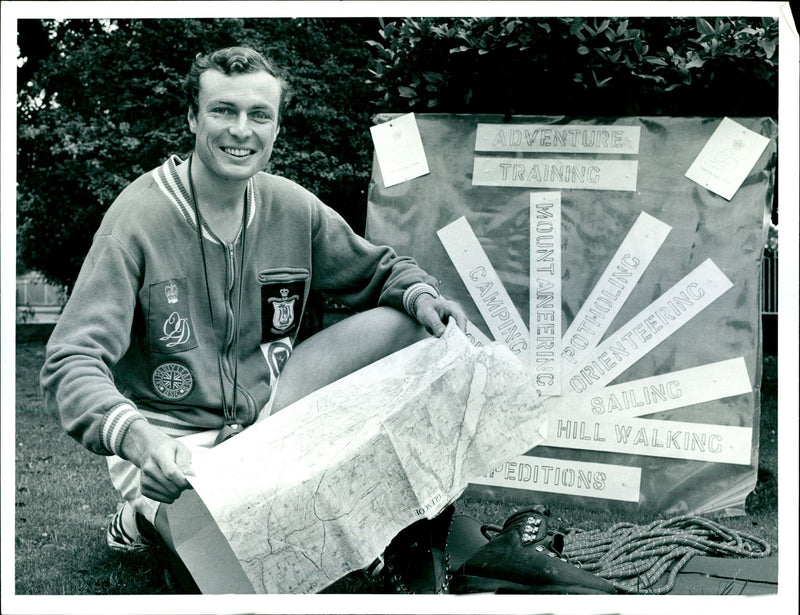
x=164, y=461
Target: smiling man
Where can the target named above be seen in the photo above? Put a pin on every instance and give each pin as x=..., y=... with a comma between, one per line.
x=181, y=327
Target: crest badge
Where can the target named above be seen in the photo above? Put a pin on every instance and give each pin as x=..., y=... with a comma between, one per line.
x=283, y=311
x=283, y=293
x=172, y=381
x=171, y=292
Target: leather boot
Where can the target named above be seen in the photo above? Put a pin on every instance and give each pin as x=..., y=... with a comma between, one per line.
x=524, y=559
x=415, y=561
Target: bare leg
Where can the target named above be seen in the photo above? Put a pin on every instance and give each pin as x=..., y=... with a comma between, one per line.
x=343, y=348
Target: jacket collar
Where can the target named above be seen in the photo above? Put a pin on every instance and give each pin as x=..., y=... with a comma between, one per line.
x=177, y=193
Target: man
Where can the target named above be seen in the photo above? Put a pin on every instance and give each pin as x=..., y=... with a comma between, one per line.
x=180, y=329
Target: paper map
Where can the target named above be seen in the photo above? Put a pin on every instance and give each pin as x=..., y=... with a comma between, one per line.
x=320, y=489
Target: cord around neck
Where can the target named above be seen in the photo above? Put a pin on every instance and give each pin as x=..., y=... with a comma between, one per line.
x=229, y=412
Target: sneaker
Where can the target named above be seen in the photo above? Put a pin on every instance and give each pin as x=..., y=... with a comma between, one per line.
x=125, y=540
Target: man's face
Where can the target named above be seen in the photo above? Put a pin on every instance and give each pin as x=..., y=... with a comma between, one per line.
x=236, y=123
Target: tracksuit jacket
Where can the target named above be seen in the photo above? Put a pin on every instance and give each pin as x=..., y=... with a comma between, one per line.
x=136, y=338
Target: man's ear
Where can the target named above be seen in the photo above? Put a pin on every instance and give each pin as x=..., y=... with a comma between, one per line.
x=192, y=119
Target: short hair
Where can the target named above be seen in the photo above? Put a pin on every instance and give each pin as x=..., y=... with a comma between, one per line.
x=230, y=61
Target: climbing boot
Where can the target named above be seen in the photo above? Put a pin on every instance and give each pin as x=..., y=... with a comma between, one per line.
x=415, y=561
x=525, y=558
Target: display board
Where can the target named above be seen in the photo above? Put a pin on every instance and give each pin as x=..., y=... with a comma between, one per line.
x=648, y=232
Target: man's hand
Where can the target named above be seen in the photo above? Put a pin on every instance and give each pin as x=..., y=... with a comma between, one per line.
x=433, y=312
x=164, y=461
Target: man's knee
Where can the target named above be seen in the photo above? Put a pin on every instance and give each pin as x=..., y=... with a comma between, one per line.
x=374, y=333
x=344, y=348
x=397, y=328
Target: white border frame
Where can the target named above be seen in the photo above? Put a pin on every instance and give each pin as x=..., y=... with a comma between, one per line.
x=788, y=323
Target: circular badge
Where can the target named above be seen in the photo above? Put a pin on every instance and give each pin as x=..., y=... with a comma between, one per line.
x=172, y=381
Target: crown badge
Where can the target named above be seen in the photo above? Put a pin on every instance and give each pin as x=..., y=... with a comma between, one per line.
x=171, y=291
x=283, y=316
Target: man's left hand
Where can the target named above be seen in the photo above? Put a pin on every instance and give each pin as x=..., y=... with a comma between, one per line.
x=433, y=313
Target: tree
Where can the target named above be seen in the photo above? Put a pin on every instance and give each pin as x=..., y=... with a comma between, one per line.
x=578, y=66
x=100, y=103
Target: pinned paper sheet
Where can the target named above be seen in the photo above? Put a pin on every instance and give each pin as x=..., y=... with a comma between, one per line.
x=545, y=291
x=677, y=389
x=485, y=286
x=589, y=479
x=727, y=158
x=652, y=437
x=398, y=146
x=566, y=173
x=548, y=138
x=655, y=323
x=614, y=286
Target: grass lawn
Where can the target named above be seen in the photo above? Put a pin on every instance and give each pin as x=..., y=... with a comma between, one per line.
x=63, y=496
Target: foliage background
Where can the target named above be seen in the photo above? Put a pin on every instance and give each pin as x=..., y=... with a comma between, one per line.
x=99, y=101
x=580, y=66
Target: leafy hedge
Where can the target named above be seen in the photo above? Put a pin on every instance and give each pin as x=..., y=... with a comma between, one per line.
x=578, y=66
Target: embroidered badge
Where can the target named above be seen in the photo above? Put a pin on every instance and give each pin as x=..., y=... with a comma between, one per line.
x=172, y=381
x=283, y=314
x=169, y=322
x=176, y=330
x=279, y=353
x=171, y=292
x=281, y=303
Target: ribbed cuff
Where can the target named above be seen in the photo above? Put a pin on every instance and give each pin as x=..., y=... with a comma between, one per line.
x=115, y=426
x=413, y=293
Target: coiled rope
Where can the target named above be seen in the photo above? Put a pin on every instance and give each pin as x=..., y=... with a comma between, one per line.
x=634, y=558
